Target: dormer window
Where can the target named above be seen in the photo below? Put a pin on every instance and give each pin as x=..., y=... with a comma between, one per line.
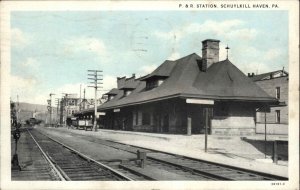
x=127, y=92
x=111, y=94
x=153, y=83
x=110, y=97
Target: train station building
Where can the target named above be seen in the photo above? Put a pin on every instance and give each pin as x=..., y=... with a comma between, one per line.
x=185, y=95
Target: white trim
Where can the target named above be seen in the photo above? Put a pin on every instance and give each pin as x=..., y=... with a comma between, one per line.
x=100, y=113
x=117, y=110
x=200, y=101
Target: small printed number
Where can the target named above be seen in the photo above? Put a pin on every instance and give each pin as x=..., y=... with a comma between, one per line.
x=278, y=183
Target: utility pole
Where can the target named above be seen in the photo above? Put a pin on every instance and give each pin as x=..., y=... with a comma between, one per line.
x=95, y=79
x=18, y=109
x=57, y=108
x=50, y=105
x=80, y=99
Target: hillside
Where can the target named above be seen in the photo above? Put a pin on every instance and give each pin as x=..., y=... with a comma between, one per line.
x=28, y=110
x=32, y=107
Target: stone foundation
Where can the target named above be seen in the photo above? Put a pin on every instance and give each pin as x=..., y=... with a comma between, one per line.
x=273, y=129
x=242, y=126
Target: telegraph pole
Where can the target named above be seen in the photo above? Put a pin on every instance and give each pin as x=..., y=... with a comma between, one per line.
x=95, y=80
x=80, y=99
x=57, y=109
x=50, y=105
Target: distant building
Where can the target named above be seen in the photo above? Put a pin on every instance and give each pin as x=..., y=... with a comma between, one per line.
x=276, y=84
x=88, y=103
x=69, y=105
x=184, y=96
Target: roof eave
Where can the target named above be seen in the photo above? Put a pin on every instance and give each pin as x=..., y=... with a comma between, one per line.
x=184, y=96
x=154, y=76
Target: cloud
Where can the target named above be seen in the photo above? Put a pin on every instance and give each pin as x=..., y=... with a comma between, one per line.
x=174, y=34
x=109, y=82
x=85, y=44
x=224, y=29
x=18, y=38
x=24, y=87
x=214, y=27
x=147, y=69
x=272, y=54
x=18, y=82
x=30, y=62
x=222, y=52
x=244, y=33
x=174, y=56
x=256, y=67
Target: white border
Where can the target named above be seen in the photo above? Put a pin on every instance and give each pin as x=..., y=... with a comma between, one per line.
x=7, y=6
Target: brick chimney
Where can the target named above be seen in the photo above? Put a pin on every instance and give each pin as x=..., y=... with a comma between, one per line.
x=210, y=52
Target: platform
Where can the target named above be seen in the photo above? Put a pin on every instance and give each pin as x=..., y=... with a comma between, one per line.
x=230, y=150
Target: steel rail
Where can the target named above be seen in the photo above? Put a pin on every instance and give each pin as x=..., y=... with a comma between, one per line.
x=90, y=159
x=201, y=173
x=246, y=171
x=48, y=159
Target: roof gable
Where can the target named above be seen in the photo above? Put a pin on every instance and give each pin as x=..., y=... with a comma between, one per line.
x=225, y=79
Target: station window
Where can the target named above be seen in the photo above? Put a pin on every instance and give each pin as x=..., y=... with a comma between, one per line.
x=277, y=116
x=278, y=92
x=146, y=119
x=151, y=84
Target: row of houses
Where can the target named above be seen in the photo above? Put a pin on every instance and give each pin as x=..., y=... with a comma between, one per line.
x=185, y=95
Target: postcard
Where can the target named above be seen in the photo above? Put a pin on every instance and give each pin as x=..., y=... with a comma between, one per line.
x=149, y=95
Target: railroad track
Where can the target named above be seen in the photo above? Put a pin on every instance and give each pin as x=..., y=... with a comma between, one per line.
x=34, y=165
x=72, y=165
x=189, y=168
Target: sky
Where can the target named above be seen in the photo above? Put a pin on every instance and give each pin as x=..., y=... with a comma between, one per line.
x=52, y=51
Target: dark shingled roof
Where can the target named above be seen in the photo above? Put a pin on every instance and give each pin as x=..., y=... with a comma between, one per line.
x=266, y=75
x=113, y=91
x=221, y=81
x=164, y=70
x=130, y=84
